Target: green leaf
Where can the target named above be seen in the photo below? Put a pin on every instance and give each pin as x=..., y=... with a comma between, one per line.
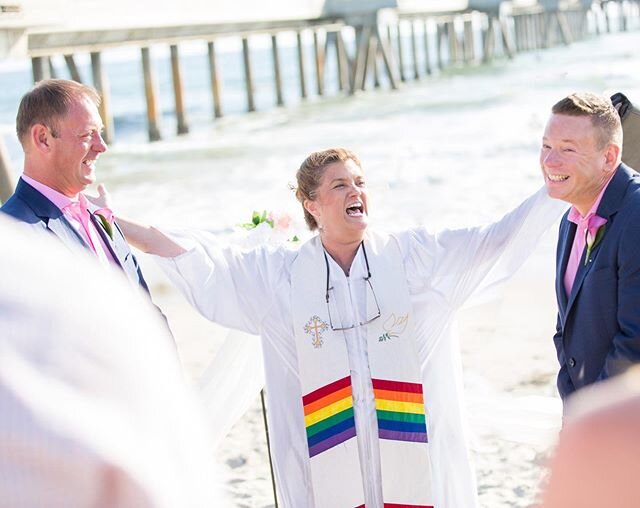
x=599, y=235
x=105, y=224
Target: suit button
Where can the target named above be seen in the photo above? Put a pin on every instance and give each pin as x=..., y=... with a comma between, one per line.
x=572, y=362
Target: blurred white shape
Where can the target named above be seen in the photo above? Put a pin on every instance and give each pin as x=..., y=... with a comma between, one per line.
x=94, y=409
x=533, y=420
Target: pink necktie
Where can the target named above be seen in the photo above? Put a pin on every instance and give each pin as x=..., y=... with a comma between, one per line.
x=78, y=210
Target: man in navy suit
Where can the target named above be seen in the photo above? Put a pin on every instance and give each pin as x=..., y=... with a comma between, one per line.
x=59, y=128
x=598, y=256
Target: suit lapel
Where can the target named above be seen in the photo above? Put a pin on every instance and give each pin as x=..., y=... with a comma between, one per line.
x=50, y=215
x=118, y=247
x=566, y=236
x=116, y=253
x=61, y=227
x=583, y=270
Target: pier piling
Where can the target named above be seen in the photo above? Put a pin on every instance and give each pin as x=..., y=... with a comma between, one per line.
x=214, y=79
x=150, y=95
x=182, y=126
x=7, y=180
x=73, y=68
x=301, y=66
x=101, y=85
x=277, y=77
x=248, y=75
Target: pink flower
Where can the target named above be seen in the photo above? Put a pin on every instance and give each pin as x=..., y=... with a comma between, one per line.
x=595, y=232
x=107, y=213
x=106, y=218
x=281, y=222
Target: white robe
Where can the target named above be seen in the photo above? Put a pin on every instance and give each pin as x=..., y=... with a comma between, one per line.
x=251, y=291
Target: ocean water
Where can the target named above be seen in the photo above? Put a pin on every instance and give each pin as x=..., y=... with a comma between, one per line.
x=453, y=149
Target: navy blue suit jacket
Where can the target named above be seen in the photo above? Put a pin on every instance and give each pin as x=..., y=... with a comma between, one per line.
x=598, y=327
x=32, y=207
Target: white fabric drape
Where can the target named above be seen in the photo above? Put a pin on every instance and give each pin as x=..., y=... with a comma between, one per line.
x=251, y=291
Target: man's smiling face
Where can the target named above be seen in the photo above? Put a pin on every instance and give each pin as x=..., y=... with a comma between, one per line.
x=573, y=164
x=76, y=146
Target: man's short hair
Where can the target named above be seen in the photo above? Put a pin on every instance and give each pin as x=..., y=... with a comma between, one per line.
x=601, y=111
x=48, y=101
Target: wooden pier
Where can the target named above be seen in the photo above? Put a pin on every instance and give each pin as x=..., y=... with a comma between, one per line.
x=369, y=49
x=407, y=45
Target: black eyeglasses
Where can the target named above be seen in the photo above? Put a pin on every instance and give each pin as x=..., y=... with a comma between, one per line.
x=367, y=279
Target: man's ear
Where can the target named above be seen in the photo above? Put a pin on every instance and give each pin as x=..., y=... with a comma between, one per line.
x=611, y=157
x=40, y=137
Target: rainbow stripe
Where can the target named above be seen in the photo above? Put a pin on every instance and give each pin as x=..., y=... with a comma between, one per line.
x=328, y=416
x=400, y=410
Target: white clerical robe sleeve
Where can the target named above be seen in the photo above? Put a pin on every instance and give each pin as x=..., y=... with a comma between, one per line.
x=230, y=286
x=467, y=261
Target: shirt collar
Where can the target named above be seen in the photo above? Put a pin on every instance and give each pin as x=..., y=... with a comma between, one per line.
x=58, y=199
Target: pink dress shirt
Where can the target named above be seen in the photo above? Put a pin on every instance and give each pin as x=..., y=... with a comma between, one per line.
x=579, y=241
x=87, y=232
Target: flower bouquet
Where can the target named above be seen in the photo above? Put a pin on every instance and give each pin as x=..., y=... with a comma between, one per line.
x=270, y=228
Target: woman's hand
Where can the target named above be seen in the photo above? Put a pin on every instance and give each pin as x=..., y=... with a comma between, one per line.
x=142, y=236
x=103, y=199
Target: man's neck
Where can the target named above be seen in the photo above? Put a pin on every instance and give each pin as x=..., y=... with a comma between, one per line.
x=49, y=184
x=584, y=209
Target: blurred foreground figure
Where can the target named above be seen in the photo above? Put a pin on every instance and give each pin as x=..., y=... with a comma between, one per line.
x=597, y=460
x=94, y=411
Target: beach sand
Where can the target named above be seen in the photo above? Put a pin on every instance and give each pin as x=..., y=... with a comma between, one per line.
x=510, y=366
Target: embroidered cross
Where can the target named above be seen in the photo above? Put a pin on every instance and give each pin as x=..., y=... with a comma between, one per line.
x=315, y=327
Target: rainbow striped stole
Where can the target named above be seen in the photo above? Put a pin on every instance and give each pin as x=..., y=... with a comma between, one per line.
x=400, y=410
x=328, y=416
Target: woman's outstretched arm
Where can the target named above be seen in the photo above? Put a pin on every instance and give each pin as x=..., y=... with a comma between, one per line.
x=142, y=236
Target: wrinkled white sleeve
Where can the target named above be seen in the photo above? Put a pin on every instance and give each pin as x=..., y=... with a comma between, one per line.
x=230, y=286
x=443, y=271
x=459, y=263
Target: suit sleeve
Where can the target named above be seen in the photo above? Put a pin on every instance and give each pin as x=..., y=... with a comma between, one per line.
x=625, y=347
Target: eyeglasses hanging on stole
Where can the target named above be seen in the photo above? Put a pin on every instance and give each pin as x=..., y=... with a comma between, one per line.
x=367, y=280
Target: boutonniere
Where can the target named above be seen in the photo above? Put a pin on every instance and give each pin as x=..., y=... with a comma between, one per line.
x=106, y=218
x=594, y=234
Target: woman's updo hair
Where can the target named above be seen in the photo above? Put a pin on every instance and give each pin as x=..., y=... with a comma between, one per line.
x=310, y=174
